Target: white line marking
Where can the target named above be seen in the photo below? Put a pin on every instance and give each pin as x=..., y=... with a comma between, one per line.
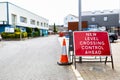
x=77, y=74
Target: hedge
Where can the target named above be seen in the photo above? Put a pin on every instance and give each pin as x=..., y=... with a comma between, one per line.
x=13, y=35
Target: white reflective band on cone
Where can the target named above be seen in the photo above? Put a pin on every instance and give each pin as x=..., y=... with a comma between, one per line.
x=64, y=50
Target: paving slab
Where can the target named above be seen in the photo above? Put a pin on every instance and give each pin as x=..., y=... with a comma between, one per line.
x=100, y=71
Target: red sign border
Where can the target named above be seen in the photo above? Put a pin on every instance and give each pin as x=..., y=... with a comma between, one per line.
x=91, y=55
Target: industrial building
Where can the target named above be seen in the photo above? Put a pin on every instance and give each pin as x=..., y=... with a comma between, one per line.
x=12, y=16
x=109, y=19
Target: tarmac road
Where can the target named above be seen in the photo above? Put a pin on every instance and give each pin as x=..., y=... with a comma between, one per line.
x=33, y=59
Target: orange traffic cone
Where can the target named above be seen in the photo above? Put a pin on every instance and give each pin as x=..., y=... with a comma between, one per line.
x=64, y=57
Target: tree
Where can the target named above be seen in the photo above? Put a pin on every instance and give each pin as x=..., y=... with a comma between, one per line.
x=17, y=30
x=38, y=31
x=54, y=28
x=29, y=31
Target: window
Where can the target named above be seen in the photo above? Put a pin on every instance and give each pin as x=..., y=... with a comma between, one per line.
x=38, y=23
x=14, y=19
x=41, y=24
x=23, y=19
x=44, y=24
x=66, y=23
x=105, y=18
x=71, y=18
x=47, y=24
x=93, y=19
x=32, y=22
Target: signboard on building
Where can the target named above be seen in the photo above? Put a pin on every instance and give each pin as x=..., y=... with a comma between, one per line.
x=74, y=25
x=89, y=43
x=9, y=29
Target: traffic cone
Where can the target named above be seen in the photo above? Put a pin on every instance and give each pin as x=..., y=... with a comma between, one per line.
x=64, y=57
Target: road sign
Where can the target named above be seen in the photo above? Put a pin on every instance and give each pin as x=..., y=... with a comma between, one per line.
x=89, y=43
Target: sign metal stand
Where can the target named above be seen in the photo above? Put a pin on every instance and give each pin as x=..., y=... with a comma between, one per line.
x=88, y=43
x=71, y=47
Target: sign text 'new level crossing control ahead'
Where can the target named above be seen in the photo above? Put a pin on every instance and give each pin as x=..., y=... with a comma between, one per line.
x=89, y=43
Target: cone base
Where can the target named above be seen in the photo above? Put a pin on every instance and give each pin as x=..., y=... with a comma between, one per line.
x=59, y=63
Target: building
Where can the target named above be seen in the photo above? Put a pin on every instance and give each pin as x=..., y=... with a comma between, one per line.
x=70, y=18
x=15, y=16
x=109, y=19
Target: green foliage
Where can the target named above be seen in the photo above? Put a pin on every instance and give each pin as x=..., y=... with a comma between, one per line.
x=14, y=35
x=35, y=34
x=55, y=29
x=17, y=30
x=8, y=35
x=17, y=34
x=3, y=34
x=24, y=34
x=29, y=31
x=29, y=34
x=11, y=36
x=38, y=31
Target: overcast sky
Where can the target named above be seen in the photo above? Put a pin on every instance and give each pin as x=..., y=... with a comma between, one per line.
x=56, y=10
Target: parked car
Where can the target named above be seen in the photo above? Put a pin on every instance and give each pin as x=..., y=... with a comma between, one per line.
x=113, y=37
x=0, y=38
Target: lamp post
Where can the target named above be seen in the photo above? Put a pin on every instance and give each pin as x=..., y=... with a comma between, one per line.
x=80, y=18
x=79, y=23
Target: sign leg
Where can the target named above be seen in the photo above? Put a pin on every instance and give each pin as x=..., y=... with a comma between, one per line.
x=100, y=59
x=80, y=59
x=106, y=60
x=112, y=62
x=69, y=55
x=72, y=56
x=74, y=61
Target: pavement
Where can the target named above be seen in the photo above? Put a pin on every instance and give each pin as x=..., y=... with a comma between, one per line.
x=98, y=71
